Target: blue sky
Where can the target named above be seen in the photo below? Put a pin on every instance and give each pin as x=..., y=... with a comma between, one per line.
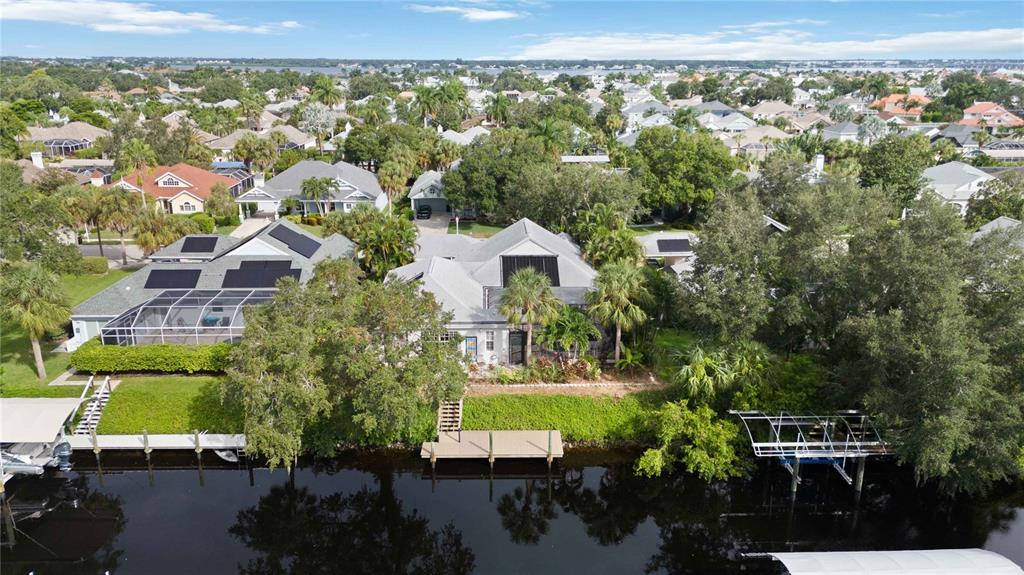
x=517, y=29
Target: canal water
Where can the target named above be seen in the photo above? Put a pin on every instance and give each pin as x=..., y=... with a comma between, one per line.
x=390, y=514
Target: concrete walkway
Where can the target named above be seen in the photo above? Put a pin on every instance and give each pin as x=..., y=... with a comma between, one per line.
x=250, y=227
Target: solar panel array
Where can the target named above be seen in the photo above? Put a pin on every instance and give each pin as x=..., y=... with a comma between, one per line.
x=547, y=265
x=295, y=241
x=256, y=277
x=199, y=245
x=265, y=264
x=670, y=246
x=172, y=279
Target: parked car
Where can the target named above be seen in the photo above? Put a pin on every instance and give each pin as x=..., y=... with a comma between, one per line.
x=423, y=213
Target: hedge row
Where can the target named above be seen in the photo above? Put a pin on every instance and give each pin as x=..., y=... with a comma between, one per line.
x=93, y=357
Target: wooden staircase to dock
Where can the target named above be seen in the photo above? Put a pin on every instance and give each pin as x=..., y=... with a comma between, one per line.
x=449, y=416
x=94, y=410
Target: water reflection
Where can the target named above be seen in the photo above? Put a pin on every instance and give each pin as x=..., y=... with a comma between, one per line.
x=391, y=515
x=367, y=531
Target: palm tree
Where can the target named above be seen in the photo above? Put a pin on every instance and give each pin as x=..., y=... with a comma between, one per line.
x=155, y=228
x=251, y=106
x=247, y=148
x=320, y=191
x=390, y=243
x=619, y=286
x=499, y=108
x=426, y=103
x=137, y=155
x=527, y=301
x=446, y=152
x=120, y=209
x=703, y=374
x=571, y=332
x=290, y=204
x=552, y=135
x=86, y=204
x=325, y=92
x=392, y=178
x=33, y=297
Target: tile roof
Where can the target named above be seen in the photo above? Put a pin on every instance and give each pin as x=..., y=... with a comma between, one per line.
x=196, y=181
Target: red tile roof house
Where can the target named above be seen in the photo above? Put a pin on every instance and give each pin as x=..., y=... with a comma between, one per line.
x=905, y=105
x=178, y=189
x=992, y=113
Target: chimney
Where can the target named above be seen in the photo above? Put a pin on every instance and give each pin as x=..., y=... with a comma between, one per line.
x=819, y=163
x=37, y=160
x=258, y=179
x=96, y=178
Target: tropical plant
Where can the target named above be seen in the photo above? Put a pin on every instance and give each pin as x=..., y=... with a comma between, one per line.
x=140, y=158
x=120, y=208
x=570, y=332
x=552, y=134
x=325, y=92
x=631, y=360
x=320, y=191
x=703, y=374
x=392, y=178
x=528, y=301
x=155, y=228
x=426, y=103
x=619, y=288
x=86, y=205
x=33, y=297
x=499, y=108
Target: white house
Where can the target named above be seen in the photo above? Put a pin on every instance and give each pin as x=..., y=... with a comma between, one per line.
x=956, y=182
x=354, y=186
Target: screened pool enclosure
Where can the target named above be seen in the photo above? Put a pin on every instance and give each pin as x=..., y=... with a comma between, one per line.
x=188, y=317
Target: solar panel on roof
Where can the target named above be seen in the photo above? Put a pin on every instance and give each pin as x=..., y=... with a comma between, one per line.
x=295, y=241
x=256, y=278
x=547, y=265
x=172, y=279
x=668, y=246
x=199, y=245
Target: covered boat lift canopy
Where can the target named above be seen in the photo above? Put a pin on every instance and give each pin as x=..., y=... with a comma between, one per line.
x=34, y=419
x=925, y=562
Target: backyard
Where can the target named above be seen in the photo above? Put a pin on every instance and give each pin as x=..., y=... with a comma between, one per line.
x=18, y=368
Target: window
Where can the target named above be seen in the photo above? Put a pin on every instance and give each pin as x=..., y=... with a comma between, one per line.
x=348, y=207
x=170, y=182
x=489, y=340
x=446, y=336
x=188, y=207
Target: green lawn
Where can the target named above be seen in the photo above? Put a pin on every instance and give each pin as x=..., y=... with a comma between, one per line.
x=475, y=229
x=168, y=404
x=18, y=373
x=224, y=230
x=579, y=418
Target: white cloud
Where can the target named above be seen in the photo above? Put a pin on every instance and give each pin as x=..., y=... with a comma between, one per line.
x=469, y=13
x=764, y=25
x=130, y=18
x=724, y=45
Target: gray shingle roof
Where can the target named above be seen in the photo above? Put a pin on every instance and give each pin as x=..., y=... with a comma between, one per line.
x=131, y=291
x=289, y=182
x=173, y=251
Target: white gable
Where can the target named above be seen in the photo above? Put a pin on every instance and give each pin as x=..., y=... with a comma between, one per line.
x=527, y=248
x=254, y=193
x=257, y=247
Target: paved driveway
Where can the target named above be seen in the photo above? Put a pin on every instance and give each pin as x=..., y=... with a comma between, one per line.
x=437, y=225
x=250, y=227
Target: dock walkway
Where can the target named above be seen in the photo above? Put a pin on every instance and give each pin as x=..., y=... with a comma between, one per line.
x=494, y=445
x=206, y=441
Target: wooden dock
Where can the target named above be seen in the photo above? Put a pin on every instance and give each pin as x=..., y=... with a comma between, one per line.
x=215, y=441
x=491, y=445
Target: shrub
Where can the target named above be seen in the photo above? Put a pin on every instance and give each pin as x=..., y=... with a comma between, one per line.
x=313, y=220
x=94, y=357
x=231, y=220
x=294, y=218
x=95, y=265
x=205, y=221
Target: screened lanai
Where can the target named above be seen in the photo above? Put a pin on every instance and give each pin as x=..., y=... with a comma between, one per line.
x=185, y=317
x=65, y=146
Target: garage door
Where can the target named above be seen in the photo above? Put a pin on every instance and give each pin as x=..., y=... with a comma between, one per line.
x=438, y=205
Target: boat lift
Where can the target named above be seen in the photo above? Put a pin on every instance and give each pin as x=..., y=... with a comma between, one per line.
x=812, y=439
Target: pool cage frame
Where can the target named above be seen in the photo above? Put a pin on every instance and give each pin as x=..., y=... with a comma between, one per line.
x=811, y=439
x=185, y=317
x=65, y=146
